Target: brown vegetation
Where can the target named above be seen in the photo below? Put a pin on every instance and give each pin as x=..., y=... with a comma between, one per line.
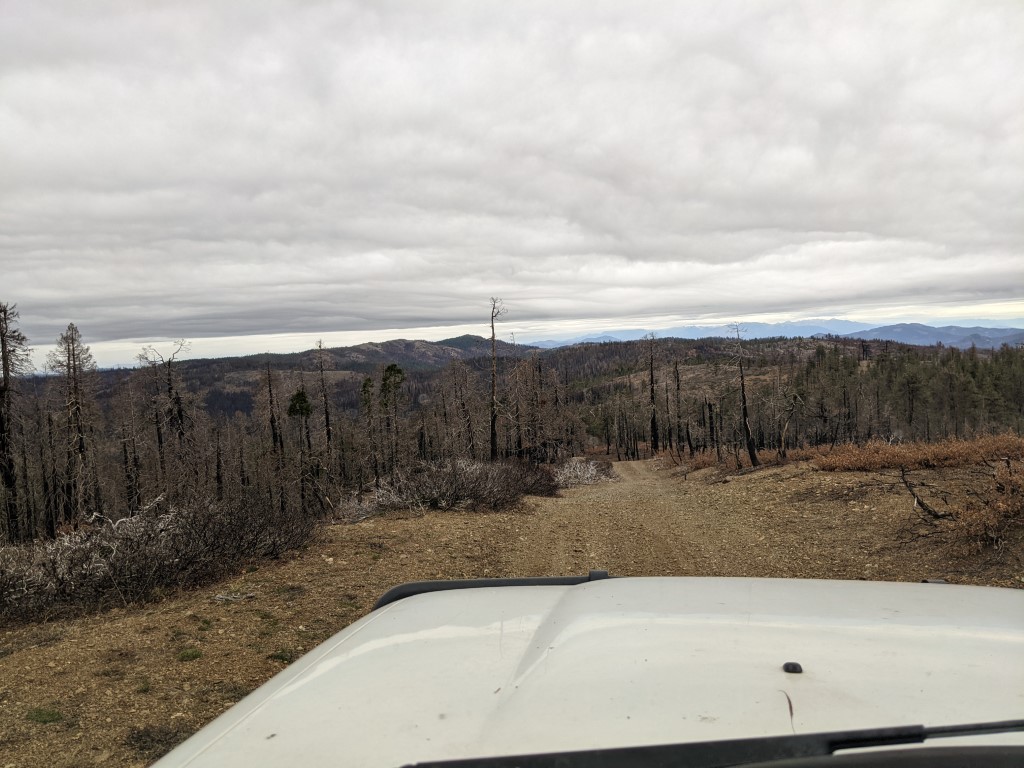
x=995, y=517
x=985, y=511
x=881, y=454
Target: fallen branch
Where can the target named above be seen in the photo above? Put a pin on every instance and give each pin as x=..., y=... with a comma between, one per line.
x=920, y=503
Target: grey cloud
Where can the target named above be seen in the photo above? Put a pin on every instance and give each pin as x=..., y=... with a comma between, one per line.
x=196, y=169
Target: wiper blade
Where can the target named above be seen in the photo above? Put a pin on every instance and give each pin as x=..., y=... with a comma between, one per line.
x=916, y=734
x=721, y=754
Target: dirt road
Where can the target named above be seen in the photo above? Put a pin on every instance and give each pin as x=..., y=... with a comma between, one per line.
x=122, y=687
x=783, y=522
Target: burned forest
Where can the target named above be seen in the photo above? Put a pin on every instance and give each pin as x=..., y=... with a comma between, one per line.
x=206, y=463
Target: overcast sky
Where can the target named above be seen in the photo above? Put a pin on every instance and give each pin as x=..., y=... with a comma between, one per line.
x=228, y=171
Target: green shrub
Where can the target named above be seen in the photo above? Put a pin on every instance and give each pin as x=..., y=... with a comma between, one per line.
x=44, y=715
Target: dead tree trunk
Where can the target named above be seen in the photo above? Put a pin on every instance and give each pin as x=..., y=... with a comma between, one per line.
x=655, y=443
x=497, y=310
x=748, y=438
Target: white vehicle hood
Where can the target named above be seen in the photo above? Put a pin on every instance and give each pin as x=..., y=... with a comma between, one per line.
x=626, y=662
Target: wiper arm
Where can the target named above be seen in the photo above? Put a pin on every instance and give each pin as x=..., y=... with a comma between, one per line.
x=721, y=754
x=916, y=734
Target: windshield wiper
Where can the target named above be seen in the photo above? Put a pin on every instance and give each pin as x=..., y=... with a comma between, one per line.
x=721, y=754
x=916, y=734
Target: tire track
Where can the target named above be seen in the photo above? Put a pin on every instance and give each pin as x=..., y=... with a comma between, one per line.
x=654, y=522
x=643, y=524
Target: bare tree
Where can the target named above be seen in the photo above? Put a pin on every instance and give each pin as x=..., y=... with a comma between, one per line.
x=497, y=310
x=748, y=438
x=682, y=430
x=14, y=361
x=390, y=383
x=168, y=409
x=276, y=445
x=328, y=431
x=128, y=434
x=782, y=402
x=655, y=442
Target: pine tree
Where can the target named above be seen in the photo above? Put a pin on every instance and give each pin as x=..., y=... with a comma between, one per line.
x=75, y=367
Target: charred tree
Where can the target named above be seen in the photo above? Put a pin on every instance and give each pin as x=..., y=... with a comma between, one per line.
x=14, y=361
x=744, y=416
x=655, y=443
x=497, y=310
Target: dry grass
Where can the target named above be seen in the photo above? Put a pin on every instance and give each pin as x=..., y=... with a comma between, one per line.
x=986, y=515
x=701, y=460
x=990, y=521
x=878, y=454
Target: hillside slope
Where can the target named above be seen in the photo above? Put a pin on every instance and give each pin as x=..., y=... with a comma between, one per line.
x=122, y=687
x=365, y=358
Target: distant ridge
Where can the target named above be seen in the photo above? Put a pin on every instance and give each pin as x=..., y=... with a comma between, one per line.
x=803, y=329
x=949, y=335
x=905, y=333
x=413, y=355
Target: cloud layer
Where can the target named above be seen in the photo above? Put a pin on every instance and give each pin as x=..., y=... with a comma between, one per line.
x=195, y=169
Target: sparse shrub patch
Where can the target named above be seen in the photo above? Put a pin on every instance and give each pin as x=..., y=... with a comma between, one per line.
x=285, y=655
x=291, y=592
x=580, y=471
x=133, y=559
x=476, y=485
x=988, y=521
x=701, y=460
x=189, y=654
x=233, y=691
x=44, y=715
x=153, y=741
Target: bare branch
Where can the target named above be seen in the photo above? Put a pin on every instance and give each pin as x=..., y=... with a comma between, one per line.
x=920, y=503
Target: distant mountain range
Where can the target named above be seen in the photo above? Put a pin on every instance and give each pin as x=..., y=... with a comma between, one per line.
x=805, y=328
x=949, y=335
x=905, y=333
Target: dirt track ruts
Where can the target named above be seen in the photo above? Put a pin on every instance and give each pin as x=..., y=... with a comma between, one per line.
x=781, y=521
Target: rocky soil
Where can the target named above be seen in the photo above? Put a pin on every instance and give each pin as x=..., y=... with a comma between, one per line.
x=122, y=687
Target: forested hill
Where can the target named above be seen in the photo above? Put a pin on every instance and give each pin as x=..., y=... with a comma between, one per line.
x=903, y=378
x=227, y=385
x=299, y=432
x=412, y=355
x=580, y=364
